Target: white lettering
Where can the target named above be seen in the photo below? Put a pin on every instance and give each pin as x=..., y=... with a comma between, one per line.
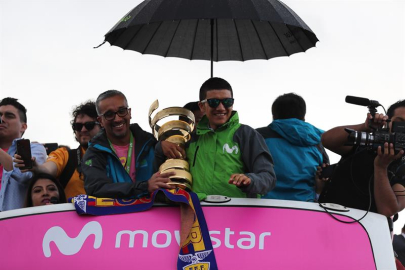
x=68, y=245
x=131, y=238
x=228, y=233
x=216, y=240
x=168, y=239
x=261, y=239
x=177, y=236
x=251, y=240
x=160, y=239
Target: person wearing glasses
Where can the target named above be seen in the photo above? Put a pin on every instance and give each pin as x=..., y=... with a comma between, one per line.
x=64, y=164
x=225, y=157
x=119, y=161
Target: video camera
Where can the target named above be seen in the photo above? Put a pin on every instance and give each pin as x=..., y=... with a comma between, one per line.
x=381, y=135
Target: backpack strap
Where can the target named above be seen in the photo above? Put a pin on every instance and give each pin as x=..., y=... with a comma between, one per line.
x=322, y=150
x=73, y=163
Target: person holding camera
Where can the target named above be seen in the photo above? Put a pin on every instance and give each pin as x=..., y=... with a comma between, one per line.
x=367, y=179
x=13, y=182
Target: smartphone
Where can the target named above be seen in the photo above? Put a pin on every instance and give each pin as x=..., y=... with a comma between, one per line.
x=24, y=150
x=50, y=147
x=327, y=171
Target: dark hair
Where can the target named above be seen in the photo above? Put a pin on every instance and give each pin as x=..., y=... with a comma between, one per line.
x=214, y=84
x=192, y=106
x=393, y=107
x=108, y=94
x=22, y=111
x=87, y=108
x=289, y=105
x=34, y=179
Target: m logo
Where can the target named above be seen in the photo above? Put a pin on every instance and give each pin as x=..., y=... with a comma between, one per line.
x=230, y=150
x=71, y=246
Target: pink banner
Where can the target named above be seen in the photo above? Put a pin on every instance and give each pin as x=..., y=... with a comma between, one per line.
x=243, y=238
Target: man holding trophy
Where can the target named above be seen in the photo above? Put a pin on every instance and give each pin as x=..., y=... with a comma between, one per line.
x=225, y=157
x=119, y=160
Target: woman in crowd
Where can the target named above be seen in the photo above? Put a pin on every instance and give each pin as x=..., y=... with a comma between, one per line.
x=43, y=190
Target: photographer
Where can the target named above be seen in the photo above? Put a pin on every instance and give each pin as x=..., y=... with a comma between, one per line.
x=367, y=179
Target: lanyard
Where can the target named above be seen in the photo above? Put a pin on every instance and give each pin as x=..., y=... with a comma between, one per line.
x=127, y=164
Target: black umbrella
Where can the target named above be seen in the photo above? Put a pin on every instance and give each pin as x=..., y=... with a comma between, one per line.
x=216, y=30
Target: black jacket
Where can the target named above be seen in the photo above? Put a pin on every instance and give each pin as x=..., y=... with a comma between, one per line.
x=104, y=174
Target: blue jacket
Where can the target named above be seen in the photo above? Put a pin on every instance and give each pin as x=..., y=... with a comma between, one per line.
x=103, y=171
x=296, y=149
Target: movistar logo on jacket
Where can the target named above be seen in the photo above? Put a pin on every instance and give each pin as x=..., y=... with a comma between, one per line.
x=230, y=150
x=214, y=156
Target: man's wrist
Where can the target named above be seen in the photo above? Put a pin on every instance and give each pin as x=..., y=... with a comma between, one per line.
x=378, y=166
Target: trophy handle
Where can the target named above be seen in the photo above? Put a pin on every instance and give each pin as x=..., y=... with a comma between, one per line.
x=152, y=108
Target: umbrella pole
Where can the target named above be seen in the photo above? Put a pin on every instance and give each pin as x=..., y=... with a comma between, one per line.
x=212, y=47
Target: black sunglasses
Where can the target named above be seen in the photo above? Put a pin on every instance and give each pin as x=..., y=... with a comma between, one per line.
x=88, y=125
x=214, y=102
x=110, y=115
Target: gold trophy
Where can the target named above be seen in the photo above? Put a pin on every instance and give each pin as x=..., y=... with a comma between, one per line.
x=175, y=131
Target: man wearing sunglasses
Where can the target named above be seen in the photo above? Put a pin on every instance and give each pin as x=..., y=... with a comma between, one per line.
x=225, y=157
x=64, y=164
x=119, y=161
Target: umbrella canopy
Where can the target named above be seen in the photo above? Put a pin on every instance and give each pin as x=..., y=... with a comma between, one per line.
x=216, y=30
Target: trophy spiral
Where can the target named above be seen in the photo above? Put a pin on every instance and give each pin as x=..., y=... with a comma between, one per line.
x=175, y=131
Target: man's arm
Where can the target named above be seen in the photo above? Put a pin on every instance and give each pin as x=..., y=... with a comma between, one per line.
x=55, y=164
x=258, y=161
x=385, y=195
x=6, y=160
x=48, y=167
x=335, y=138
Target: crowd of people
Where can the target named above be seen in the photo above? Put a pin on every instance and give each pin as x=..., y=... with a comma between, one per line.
x=117, y=159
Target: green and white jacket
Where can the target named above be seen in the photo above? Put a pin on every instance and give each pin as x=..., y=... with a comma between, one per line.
x=214, y=155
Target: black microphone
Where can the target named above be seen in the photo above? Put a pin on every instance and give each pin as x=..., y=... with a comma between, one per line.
x=362, y=101
x=54, y=200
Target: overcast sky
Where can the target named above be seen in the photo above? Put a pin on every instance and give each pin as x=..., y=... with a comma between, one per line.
x=47, y=61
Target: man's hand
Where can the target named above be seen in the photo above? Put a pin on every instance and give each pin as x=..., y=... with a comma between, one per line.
x=20, y=164
x=386, y=156
x=160, y=180
x=318, y=173
x=239, y=180
x=378, y=121
x=319, y=180
x=172, y=150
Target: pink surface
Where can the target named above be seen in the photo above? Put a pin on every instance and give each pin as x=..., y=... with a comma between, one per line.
x=243, y=238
